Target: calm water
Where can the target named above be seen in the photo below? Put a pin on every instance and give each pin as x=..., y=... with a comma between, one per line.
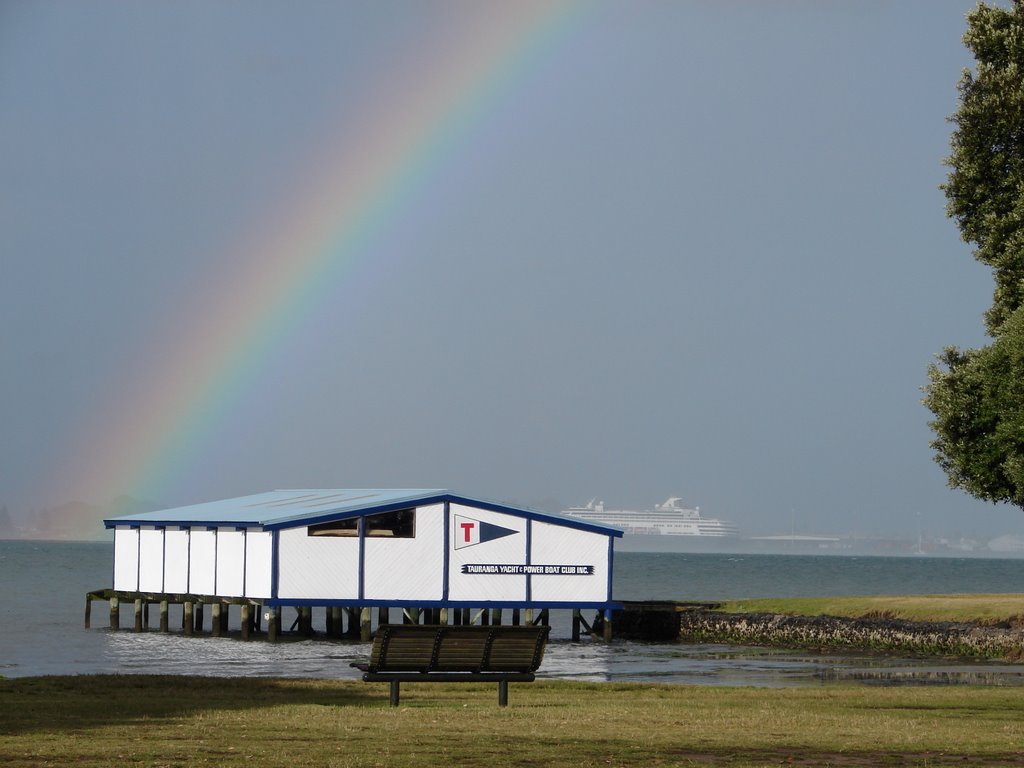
x=44, y=586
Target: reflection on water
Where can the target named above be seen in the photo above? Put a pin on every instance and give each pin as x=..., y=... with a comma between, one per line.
x=156, y=653
x=762, y=667
x=152, y=652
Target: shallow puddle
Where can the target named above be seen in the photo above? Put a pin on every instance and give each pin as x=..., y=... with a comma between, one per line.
x=762, y=667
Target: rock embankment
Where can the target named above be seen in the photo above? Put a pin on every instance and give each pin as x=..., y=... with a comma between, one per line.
x=871, y=634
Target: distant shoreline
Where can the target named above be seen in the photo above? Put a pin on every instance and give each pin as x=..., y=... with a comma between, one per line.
x=797, y=546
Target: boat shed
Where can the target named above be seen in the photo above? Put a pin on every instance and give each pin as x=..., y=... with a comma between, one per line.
x=366, y=547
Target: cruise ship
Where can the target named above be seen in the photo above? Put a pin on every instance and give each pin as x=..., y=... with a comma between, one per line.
x=669, y=524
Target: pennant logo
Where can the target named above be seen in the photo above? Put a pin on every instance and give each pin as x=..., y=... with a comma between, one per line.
x=469, y=532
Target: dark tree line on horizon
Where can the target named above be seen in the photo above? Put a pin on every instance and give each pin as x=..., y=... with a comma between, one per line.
x=977, y=395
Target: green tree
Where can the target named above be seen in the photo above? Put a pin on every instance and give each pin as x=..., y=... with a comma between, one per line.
x=977, y=395
x=985, y=189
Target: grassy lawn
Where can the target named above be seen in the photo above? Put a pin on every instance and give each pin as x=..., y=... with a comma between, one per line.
x=170, y=721
x=982, y=609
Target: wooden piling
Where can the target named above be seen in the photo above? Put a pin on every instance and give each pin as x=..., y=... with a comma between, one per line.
x=360, y=621
x=273, y=624
x=364, y=625
x=352, y=617
x=337, y=623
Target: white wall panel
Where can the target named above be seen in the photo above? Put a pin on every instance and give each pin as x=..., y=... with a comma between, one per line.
x=151, y=559
x=259, y=557
x=230, y=562
x=176, y=560
x=557, y=545
x=202, y=561
x=314, y=567
x=408, y=569
x=507, y=550
x=126, y=559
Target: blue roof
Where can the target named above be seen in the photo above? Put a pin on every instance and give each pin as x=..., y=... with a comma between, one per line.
x=290, y=508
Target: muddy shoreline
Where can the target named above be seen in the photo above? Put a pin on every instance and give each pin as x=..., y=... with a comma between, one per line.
x=1001, y=641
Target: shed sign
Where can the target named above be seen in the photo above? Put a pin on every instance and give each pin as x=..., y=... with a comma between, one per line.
x=510, y=569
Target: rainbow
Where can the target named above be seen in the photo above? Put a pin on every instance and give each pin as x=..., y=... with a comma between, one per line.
x=302, y=252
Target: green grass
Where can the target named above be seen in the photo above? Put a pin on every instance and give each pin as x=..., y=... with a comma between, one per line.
x=981, y=609
x=172, y=721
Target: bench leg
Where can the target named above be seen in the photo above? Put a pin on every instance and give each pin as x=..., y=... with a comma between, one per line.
x=394, y=693
x=503, y=693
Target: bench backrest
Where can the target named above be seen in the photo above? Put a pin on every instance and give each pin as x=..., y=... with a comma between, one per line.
x=442, y=648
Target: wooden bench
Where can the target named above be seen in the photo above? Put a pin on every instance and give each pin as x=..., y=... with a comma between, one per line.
x=432, y=653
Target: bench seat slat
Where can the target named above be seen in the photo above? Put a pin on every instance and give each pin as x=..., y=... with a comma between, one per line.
x=440, y=648
x=423, y=653
x=447, y=677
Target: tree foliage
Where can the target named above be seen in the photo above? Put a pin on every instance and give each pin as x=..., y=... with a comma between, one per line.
x=977, y=395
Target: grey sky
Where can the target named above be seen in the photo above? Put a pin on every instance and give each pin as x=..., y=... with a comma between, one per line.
x=691, y=248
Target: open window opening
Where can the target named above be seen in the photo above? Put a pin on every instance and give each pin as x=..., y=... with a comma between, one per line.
x=399, y=524
x=335, y=528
